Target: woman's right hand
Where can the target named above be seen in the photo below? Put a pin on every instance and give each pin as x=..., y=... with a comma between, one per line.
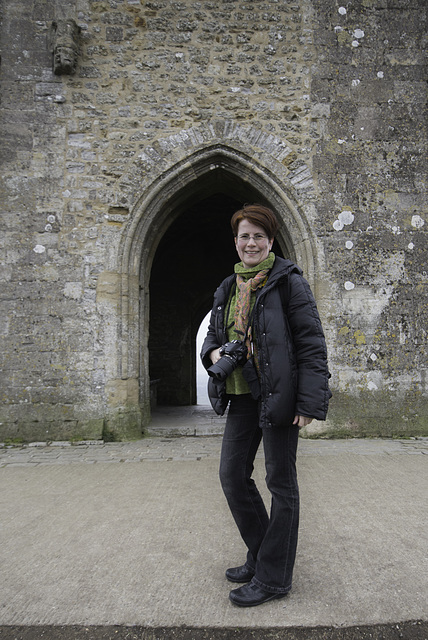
x=215, y=355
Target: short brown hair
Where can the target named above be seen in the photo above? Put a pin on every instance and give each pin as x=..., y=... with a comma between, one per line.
x=257, y=214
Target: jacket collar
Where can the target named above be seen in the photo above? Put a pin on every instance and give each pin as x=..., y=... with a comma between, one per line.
x=281, y=269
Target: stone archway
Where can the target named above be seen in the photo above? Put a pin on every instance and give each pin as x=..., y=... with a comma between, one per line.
x=182, y=184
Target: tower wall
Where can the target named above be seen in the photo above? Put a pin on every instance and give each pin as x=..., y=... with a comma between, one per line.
x=107, y=109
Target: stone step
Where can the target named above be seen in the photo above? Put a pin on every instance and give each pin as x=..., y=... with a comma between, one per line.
x=195, y=420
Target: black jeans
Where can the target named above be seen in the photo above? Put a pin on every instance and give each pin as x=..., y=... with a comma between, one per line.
x=271, y=540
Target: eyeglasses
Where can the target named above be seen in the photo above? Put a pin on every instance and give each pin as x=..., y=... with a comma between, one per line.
x=257, y=237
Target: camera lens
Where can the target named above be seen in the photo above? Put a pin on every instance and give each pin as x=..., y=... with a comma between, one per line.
x=222, y=368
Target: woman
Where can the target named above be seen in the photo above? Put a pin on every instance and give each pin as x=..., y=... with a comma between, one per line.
x=276, y=387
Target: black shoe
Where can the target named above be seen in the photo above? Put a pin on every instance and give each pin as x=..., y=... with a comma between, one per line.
x=250, y=595
x=240, y=574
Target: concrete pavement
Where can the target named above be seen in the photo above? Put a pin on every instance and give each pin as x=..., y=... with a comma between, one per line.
x=138, y=534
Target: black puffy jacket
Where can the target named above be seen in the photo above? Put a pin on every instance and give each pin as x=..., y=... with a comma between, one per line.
x=291, y=347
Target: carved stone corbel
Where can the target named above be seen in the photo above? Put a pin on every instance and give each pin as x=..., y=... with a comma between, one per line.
x=64, y=46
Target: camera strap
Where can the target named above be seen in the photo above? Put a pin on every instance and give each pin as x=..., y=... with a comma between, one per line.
x=248, y=332
x=226, y=315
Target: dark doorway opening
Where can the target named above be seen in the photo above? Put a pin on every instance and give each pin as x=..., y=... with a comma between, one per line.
x=195, y=253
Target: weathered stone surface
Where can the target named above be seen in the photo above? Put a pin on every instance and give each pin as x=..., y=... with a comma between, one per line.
x=118, y=182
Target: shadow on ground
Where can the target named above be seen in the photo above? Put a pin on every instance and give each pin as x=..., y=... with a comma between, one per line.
x=412, y=630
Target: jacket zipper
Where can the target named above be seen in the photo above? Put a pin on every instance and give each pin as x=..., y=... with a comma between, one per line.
x=261, y=353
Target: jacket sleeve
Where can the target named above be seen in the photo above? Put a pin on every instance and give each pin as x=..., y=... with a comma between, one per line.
x=211, y=341
x=313, y=392
x=215, y=335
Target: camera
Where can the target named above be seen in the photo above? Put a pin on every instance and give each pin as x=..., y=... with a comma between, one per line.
x=232, y=354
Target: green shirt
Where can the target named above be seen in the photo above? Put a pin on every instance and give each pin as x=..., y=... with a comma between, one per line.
x=235, y=383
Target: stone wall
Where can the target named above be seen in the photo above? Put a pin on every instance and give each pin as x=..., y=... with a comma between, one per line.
x=371, y=166
x=316, y=107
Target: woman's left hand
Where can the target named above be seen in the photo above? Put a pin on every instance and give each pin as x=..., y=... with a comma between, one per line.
x=302, y=421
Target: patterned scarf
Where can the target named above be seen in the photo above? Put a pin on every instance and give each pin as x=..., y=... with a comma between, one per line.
x=243, y=301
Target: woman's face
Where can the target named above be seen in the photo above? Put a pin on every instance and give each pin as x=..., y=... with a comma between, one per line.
x=252, y=244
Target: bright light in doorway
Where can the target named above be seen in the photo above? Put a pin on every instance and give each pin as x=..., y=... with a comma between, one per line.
x=201, y=374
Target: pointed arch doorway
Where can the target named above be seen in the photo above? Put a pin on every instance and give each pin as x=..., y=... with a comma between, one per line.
x=176, y=249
